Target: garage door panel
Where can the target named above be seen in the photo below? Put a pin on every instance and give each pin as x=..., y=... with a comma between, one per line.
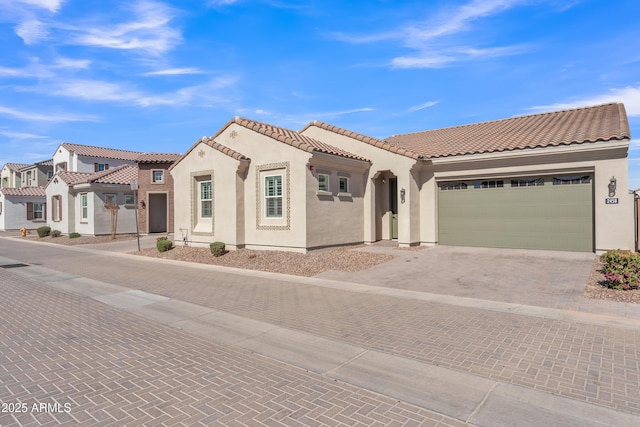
x=558, y=217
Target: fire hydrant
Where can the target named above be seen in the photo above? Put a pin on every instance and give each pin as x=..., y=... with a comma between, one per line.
x=23, y=232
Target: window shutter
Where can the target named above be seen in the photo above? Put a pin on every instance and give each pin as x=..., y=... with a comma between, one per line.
x=29, y=211
x=44, y=211
x=95, y=167
x=106, y=166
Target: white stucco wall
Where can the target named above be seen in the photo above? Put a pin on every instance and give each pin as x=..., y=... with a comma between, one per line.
x=65, y=224
x=14, y=212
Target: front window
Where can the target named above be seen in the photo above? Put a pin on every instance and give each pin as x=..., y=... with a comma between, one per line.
x=273, y=196
x=38, y=210
x=99, y=167
x=109, y=199
x=206, y=210
x=323, y=182
x=157, y=176
x=344, y=184
x=29, y=179
x=84, y=206
x=129, y=199
x=49, y=174
x=61, y=166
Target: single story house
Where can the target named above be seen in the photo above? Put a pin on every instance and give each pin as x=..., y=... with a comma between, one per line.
x=155, y=192
x=22, y=207
x=554, y=181
x=79, y=201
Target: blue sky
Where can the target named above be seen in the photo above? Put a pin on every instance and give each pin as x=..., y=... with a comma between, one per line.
x=158, y=75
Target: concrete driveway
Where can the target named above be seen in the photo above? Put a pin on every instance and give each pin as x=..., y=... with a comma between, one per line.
x=542, y=278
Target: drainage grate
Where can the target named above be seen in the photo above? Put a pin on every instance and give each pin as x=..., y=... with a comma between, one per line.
x=14, y=265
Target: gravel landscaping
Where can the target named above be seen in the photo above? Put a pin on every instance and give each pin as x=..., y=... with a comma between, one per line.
x=82, y=240
x=597, y=289
x=310, y=264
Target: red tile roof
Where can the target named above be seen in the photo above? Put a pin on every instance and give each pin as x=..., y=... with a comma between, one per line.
x=158, y=157
x=107, y=153
x=23, y=191
x=15, y=166
x=385, y=145
x=71, y=178
x=122, y=175
x=294, y=138
x=582, y=125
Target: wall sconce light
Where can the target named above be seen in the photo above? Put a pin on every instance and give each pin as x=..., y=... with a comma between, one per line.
x=383, y=181
x=402, y=194
x=612, y=186
x=311, y=167
x=143, y=204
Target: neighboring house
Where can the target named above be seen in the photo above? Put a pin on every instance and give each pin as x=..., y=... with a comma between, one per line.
x=546, y=181
x=636, y=200
x=78, y=201
x=86, y=158
x=37, y=174
x=155, y=192
x=22, y=207
x=10, y=175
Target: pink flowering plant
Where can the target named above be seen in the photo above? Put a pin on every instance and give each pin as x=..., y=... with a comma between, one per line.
x=621, y=269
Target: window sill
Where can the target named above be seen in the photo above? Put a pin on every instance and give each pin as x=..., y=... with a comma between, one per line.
x=323, y=193
x=344, y=195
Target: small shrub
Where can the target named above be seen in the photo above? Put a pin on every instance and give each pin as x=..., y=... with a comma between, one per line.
x=43, y=231
x=163, y=244
x=217, y=248
x=74, y=235
x=56, y=233
x=621, y=269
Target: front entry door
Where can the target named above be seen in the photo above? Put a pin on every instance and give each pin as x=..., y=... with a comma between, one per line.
x=158, y=213
x=393, y=206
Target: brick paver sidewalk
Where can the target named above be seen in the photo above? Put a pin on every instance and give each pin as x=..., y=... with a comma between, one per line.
x=597, y=364
x=80, y=361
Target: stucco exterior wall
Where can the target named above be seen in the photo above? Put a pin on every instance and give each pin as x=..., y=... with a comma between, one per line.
x=66, y=222
x=9, y=178
x=14, y=212
x=100, y=216
x=76, y=163
x=613, y=224
x=402, y=167
x=335, y=218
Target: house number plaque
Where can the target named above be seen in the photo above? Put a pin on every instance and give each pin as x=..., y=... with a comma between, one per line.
x=611, y=201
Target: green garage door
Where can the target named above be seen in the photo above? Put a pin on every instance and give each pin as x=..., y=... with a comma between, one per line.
x=554, y=212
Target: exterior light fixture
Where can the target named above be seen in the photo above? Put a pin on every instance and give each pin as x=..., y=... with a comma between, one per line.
x=612, y=186
x=402, y=194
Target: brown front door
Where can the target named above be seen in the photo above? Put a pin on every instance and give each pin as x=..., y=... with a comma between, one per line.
x=158, y=213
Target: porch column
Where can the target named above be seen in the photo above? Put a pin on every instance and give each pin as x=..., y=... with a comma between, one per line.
x=408, y=209
x=369, y=219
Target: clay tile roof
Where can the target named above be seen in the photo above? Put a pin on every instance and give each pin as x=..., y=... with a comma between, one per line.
x=590, y=124
x=45, y=163
x=24, y=191
x=121, y=175
x=295, y=139
x=223, y=149
x=72, y=178
x=107, y=153
x=385, y=145
x=16, y=166
x=158, y=157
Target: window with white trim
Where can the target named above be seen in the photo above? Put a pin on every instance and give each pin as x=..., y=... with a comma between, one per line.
x=206, y=199
x=273, y=196
x=157, y=176
x=38, y=211
x=84, y=206
x=323, y=182
x=99, y=167
x=489, y=184
x=343, y=182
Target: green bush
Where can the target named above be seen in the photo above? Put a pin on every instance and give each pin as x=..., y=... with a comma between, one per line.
x=621, y=269
x=43, y=231
x=56, y=233
x=74, y=235
x=217, y=248
x=163, y=244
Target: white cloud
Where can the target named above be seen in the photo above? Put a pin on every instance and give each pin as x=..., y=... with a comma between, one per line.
x=422, y=106
x=440, y=57
x=43, y=117
x=174, y=72
x=32, y=31
x=21, y=135
x=93, y=90
x=71, y=63
x=634, y=144
x=51, y=5
x=221, y=2
x=149, y=31
x=629, y=96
